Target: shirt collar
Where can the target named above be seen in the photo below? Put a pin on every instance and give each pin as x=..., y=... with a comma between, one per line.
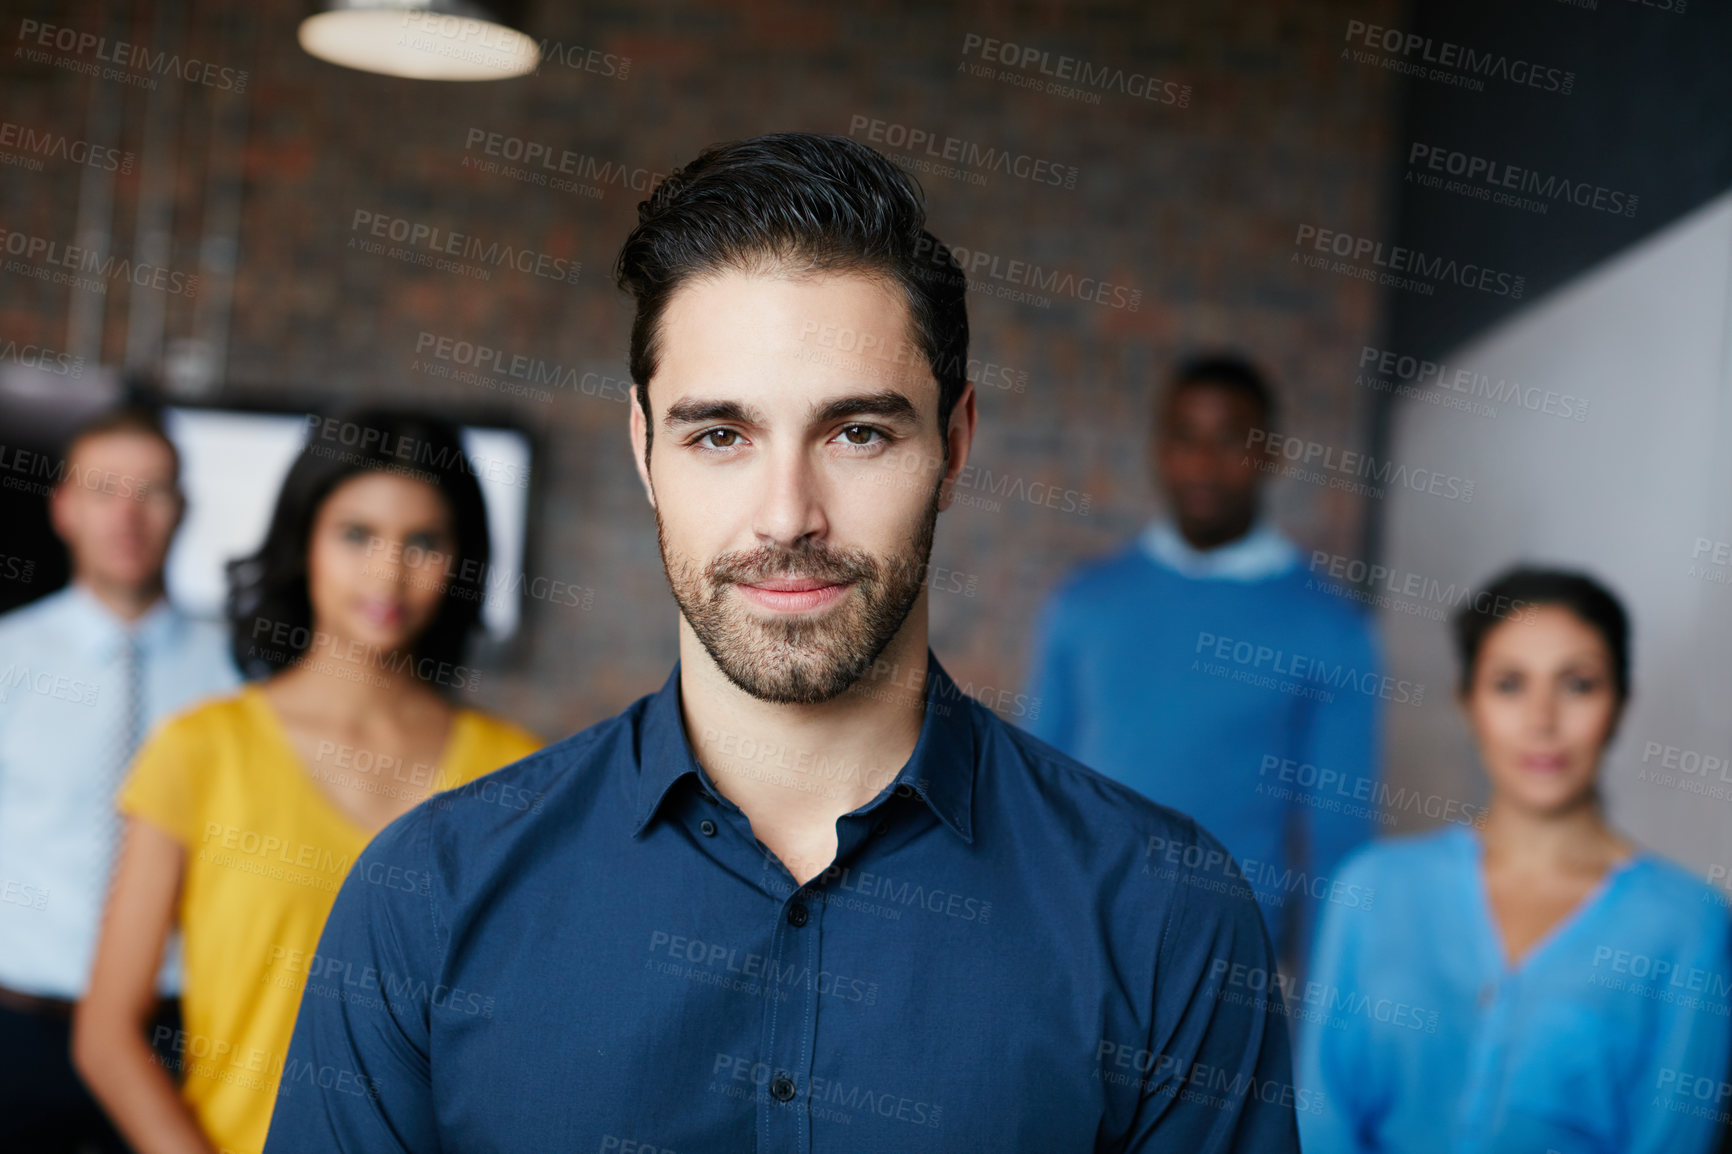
x=98, y=630
x=1261, y=553
x=940, y=771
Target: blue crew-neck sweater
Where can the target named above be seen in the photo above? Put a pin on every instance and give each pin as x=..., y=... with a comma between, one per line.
x=1252, y=705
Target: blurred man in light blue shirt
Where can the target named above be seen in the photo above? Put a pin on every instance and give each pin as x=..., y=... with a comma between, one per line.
x=84, y=674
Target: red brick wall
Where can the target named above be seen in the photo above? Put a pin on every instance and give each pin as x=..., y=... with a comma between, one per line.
x=1190, y=199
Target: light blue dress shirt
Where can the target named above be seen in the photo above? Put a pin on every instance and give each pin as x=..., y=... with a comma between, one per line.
x=62, y=704
x=1263, y=552
x=1415, y=1035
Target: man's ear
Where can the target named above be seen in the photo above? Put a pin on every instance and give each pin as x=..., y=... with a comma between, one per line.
x=959, y=437
x=638, y=421
x=60, y=512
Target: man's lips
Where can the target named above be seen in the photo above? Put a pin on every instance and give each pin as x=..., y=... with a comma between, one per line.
x=793, y=594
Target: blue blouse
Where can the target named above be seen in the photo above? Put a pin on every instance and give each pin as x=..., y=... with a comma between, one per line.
x=1610, y=1036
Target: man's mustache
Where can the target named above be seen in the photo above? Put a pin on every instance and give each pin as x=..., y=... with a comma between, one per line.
x=818, y=565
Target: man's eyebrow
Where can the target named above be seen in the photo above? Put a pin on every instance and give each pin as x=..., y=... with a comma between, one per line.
x=690, y=411
x=885, y=403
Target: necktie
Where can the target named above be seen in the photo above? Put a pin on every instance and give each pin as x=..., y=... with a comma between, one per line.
x=128, y=732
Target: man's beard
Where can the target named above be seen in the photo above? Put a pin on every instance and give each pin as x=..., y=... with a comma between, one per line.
x=797, y=660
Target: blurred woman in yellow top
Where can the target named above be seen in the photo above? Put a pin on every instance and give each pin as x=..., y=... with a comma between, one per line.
x=244, y=814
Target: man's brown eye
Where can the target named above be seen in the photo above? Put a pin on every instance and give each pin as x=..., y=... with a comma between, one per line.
x=713, y=433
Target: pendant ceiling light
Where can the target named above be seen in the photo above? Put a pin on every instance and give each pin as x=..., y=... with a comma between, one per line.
x=422, y=39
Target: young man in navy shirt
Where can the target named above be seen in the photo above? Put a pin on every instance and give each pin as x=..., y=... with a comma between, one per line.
x=807, y=896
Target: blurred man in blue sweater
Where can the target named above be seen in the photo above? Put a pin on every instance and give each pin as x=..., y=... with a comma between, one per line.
x=1202, y=665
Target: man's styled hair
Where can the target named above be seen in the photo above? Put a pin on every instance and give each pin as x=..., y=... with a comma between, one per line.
x=1229, y=371
x=138, y=417
x=803, y=203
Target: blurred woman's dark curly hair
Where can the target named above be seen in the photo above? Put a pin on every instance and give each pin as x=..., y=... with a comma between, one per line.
x=268, y=598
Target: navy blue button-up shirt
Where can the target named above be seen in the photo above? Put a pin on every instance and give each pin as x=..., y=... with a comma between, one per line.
x=589, y=950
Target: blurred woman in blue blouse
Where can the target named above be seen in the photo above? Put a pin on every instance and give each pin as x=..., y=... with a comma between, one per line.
x=1540, y=985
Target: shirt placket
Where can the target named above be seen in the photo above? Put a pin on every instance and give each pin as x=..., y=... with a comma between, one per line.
x=794, y=974
x=1481, y=1096
x=789, y=1044
x=790, y=1023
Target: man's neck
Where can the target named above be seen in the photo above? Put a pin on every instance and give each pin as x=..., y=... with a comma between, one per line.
x=795, y=769
x=127, y=602
x=1204, y=538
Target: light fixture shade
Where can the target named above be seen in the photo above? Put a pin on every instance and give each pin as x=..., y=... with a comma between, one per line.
x=422, y=39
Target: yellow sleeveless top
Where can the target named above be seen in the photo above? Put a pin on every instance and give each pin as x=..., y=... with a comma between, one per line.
x=265, y=854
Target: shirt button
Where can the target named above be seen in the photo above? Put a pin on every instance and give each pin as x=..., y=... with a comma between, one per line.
x=796, y=918
x=881, y=828
x=782, y=1087
x=707, y=828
